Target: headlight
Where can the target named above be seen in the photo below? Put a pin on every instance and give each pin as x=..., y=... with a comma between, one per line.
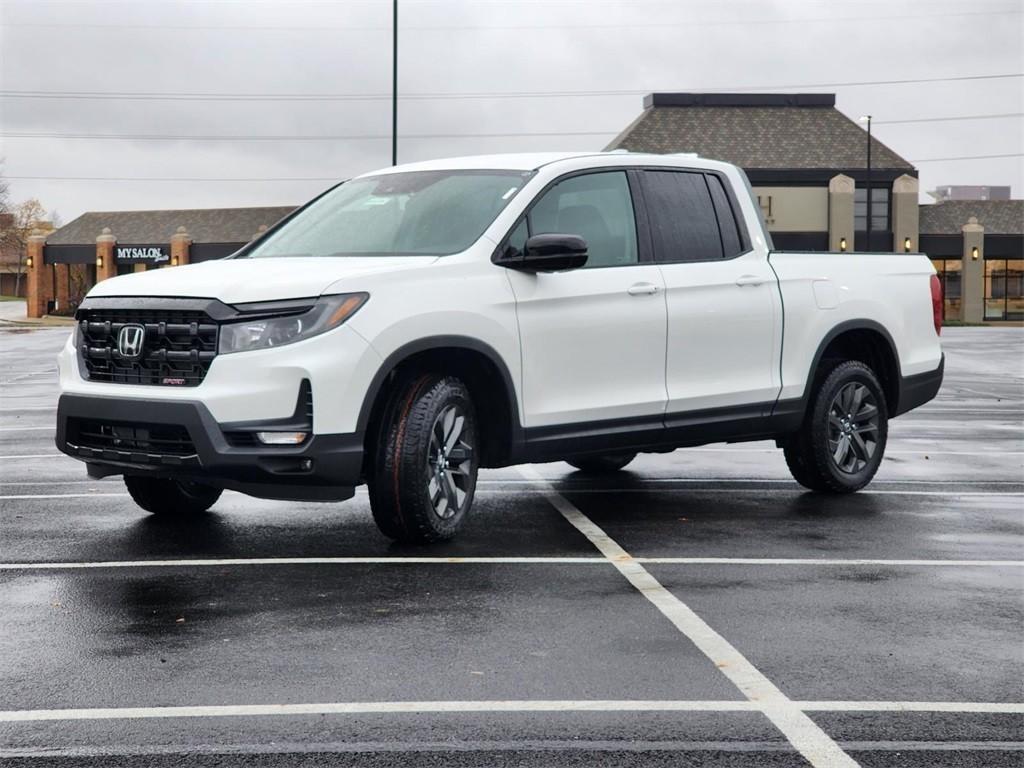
x=275, y=328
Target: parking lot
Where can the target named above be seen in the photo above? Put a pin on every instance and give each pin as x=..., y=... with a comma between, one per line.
x=696, y=609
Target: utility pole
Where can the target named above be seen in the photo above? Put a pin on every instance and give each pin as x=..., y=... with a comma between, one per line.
x=868, y=191
x=394, y=82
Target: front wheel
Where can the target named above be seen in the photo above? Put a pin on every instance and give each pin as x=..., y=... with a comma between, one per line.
x=425, y=467
x=841, y=443
x=168, y=497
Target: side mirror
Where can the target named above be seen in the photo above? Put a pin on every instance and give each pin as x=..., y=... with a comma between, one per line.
x=549, y=253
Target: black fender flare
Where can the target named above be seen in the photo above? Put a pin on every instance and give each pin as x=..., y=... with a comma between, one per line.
x=395, y=358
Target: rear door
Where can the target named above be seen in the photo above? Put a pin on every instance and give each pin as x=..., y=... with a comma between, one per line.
x=724, y=311
x=592, y=339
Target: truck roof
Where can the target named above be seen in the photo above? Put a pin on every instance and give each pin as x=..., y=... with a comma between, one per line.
x=518, y=161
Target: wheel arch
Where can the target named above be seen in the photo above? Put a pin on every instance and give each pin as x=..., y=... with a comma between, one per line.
x=482, y=369
x=866, y=341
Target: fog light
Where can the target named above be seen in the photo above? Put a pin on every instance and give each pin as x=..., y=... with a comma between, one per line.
x=280, y=438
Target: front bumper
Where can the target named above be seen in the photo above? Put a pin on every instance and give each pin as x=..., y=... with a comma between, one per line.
x=327, y=467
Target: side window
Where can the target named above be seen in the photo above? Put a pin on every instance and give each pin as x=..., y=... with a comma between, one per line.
x=598, y=208
x=683, y=222
x=515, y=244
x=732, y=242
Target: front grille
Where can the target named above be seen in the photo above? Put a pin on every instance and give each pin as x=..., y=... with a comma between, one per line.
x=134, y=443
x=178, y=346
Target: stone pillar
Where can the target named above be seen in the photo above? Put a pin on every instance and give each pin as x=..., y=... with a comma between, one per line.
x=106, y=263
x=38, y=276
x=905, y=214
x=972, y=280
x=180, y=243
x=840, y=212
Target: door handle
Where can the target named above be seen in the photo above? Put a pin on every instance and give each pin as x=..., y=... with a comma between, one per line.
x=642, y=289
x=749, y=280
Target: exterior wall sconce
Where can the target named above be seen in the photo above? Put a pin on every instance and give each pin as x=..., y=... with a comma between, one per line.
x=842, y=244
x=974, y=253
x=174, y=261
x=99, y=262
x=28, y=262
x=906, y=245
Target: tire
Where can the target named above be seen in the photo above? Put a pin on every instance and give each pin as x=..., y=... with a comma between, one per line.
x=167, y=497
x=426, y=461
x=842, y=441
x=601, y=465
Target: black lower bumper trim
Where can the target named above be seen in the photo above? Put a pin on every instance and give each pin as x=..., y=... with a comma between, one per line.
x=918, y=389
x=324, y=468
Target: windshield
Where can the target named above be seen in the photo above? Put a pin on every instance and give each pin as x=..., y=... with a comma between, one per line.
x=417, y=213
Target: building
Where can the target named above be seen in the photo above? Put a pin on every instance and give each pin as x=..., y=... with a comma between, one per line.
x=806, y=160
x=69, y=261
x=964, y=192
x=977, y=247
x=807, y=163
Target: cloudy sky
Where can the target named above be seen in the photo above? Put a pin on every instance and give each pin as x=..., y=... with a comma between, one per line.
x=475, y=76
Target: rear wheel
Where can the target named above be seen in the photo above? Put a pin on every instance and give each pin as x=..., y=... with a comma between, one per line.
x=425, y=467
x=841, y=443
x=168, y=497
x=601, y=465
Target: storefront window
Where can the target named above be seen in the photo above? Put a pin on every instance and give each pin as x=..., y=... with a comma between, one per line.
x=949, y=273
x=879, y=209
x=1003, y=295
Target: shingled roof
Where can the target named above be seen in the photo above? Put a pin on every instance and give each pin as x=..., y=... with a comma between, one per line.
x=764, y=130
x=205, y=225
x=998, y=217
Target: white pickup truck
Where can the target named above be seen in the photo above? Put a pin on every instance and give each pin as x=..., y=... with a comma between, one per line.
x=411, y=325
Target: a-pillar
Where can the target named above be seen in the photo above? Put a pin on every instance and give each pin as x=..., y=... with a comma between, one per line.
x=972, y=286
x=106, y=264
x=180, y=244
x=905, y=214
x=840, y=213
x=39, y=276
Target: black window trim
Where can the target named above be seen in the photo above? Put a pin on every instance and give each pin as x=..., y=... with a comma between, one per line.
x=742, y=229
x=644, y=252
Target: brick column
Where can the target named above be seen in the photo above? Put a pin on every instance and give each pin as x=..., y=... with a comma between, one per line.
x=972, y=285
x=905, y=214
x=106, y=264
x=261, y=230
x=38, y=276
x=840, y=212
x=180, y=244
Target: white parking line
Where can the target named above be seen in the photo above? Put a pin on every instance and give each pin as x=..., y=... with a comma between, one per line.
x=817, y=747
x=37, y=456
x=585, y=705
x=27, y=429
x=542, y=492
x=499, y=560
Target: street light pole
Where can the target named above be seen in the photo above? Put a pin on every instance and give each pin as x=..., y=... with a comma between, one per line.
x=394, y=82
x=868, y=193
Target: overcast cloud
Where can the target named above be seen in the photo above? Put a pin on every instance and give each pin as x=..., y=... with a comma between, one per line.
x=460, y=47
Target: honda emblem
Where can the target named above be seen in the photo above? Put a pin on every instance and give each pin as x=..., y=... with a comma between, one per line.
x=129, y=341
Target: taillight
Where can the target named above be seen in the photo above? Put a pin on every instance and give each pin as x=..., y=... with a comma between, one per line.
x=937, y=304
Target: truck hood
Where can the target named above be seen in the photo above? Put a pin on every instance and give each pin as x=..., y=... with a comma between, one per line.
x=235, y=281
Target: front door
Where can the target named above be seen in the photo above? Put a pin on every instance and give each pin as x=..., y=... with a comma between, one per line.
x=593, y=339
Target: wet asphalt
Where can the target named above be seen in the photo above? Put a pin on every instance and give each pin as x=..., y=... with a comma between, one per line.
x=936, y=622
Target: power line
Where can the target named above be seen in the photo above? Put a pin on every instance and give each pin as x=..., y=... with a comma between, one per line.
x=335, y=178
x=512, y=27
x=949, y=119
x=378, y=137
x=364, y=137
x=967, y=157
x=147, y=96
